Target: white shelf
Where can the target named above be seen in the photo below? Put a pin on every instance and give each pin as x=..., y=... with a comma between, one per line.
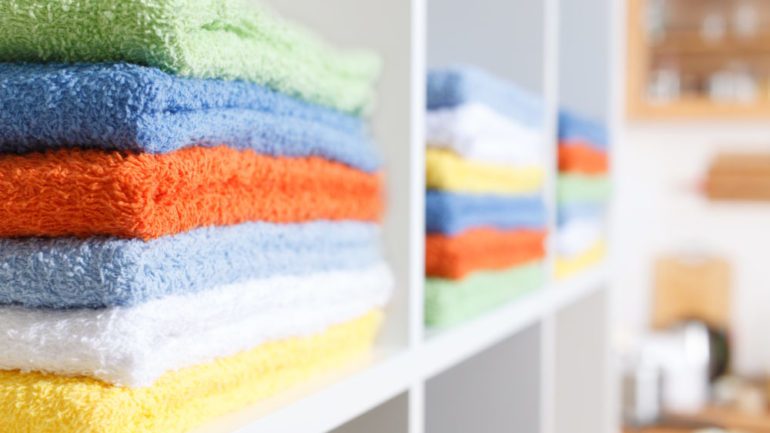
x=445, y=348
x=330, y=401
x=520, y=40
x=326, y=402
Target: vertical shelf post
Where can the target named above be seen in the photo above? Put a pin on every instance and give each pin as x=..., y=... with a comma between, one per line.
x=551, y=96
x=418, y=71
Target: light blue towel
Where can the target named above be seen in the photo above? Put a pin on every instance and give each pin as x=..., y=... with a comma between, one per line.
x=580, y=211
x=463, y=84
x=450, y=213
x=103, y=272
x=130, y=107
x=573, y=126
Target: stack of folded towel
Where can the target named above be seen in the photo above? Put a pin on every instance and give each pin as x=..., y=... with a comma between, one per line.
x=583, y=191
x=485, y=214
x=190, y=206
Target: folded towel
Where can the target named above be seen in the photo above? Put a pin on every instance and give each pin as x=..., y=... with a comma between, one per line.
x=455, y=86
x=131, y=107
x=451, y=213
x=577, y=157
x=578, y=128
x=577, y=236
x=481, y=249
x=102, y=272
x=88, y=192
x=179, y=401
x=445, y=170
x=582, y=189
x=449, y=301
x=134, y=346
x=567, y=267
x=573, y=211
x=198, y=38
x=478, y=133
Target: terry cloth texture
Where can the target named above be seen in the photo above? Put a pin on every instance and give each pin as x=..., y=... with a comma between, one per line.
x=451, y=213
x=131, y=107
x=199, y=38
x=578, y=128
x=455, y=257
x=476, y=132
x=182, y=400
x=88, y=192
x=577, y=236
x=448, y=301
x=456, y=86
x=134, y=346
x=577, y=157
x=102, y=272
x=447, y=171
x=566, y=267
x=580, y=188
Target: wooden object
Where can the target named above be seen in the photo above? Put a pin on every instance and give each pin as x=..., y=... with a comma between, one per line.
x=731, y=419
x=723, y=417
x=739, y=177
x=687, y=288
x=696, y=58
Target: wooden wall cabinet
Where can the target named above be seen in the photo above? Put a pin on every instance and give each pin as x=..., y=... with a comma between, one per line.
x=698, y=59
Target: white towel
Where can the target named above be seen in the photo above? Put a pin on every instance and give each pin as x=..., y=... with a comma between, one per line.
x=578, y=236
x=477, y=132
x=136, y=345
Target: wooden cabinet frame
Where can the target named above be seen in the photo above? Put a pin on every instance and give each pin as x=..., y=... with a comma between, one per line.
x=637, y=76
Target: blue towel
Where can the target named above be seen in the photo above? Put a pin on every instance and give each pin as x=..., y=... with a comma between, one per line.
x=130, y=107
x=104, y=272
x=459, y=85
x=575, y=127
x=451, y=213
x=571, y=212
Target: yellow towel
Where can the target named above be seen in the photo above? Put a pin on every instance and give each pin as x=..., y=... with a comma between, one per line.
x=573, y=265
x=181, y=400
x=446, y=170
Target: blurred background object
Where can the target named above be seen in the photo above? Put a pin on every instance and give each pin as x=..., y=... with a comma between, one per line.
x=691, y=286
x=739, y=176
x=692, y=217
x=698, y=58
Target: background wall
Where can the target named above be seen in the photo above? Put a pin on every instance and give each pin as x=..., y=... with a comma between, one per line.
x=658, y=210
x=506, y=37
x=584, y=58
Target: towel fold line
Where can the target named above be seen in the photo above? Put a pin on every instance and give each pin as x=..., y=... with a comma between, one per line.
x=82, y=193
x=120, y=106
x=223, y=39
x=45, y=403
x=445, y=170
x=455, y=257
x=134, y=346
x=451, y=213
x=99, y=272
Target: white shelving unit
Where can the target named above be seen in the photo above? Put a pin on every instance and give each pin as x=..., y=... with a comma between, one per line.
x=538, y=365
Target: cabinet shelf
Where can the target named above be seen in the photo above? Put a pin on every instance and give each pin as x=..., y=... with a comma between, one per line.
x=681, y=60
x=699, y=107
x=692, y=43
x=524, y=35
x=330, y=401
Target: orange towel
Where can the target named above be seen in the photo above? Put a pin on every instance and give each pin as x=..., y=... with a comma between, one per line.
x=575, y=156
x=481, y=249
x=91, y=192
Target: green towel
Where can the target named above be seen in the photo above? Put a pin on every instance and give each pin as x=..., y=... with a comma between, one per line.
x=227, y=39
x=581, y=188
x=450, y=301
